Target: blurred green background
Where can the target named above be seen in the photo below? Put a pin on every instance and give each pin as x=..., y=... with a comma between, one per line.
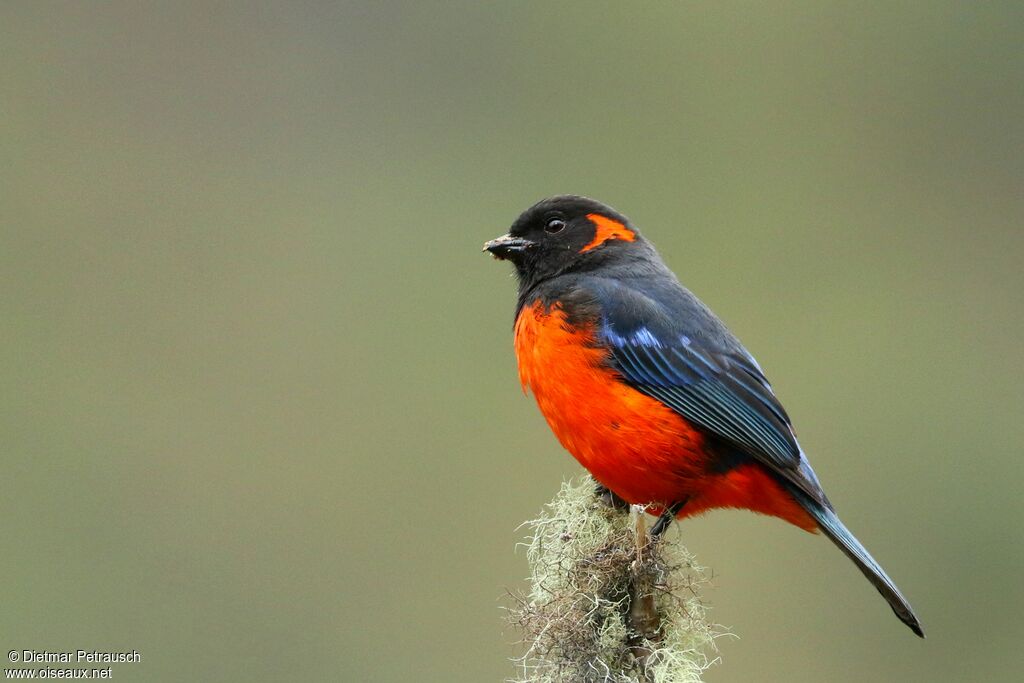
x=260, y=412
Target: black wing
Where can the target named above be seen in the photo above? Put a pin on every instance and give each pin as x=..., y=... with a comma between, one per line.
x=696, y=367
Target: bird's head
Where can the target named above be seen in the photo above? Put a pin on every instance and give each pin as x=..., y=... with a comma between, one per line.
x=562, y=234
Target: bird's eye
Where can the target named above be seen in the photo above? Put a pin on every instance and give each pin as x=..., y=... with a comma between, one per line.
x=554, y=225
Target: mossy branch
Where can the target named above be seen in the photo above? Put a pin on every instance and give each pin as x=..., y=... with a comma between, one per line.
x=605, y=604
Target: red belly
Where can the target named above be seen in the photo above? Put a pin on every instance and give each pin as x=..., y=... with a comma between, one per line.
x=633, y=444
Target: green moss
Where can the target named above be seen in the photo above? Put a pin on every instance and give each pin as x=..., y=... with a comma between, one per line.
x=604, y=605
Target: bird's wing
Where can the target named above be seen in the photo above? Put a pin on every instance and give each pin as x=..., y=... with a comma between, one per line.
x=699, y=370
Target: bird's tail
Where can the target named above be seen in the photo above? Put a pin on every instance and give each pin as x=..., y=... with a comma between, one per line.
x=829, y=523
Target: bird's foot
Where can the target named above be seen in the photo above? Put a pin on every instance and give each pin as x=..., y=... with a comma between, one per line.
x=661, y=526
x=609, y=498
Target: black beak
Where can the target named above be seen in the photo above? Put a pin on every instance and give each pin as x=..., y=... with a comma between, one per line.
x=508, y=247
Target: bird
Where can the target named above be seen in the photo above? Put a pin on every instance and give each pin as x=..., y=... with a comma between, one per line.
x=648, y=389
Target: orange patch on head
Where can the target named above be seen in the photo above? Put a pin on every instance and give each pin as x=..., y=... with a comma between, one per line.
x=607, y=229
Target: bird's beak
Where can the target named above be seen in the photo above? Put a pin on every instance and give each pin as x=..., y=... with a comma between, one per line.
x=507, y=246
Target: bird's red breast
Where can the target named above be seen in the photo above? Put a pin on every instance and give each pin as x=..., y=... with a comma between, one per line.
x=632, y=443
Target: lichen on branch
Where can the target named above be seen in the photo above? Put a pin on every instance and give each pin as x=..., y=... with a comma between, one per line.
x=604, y=603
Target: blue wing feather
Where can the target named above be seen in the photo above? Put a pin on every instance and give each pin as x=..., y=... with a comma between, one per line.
x=686, y=359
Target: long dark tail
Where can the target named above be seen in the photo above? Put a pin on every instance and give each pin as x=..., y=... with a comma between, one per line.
x=841, y=536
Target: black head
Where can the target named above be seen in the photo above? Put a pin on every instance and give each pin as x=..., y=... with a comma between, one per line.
x=562, y=234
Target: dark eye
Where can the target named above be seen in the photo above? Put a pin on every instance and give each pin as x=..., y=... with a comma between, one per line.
x=554, y=225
